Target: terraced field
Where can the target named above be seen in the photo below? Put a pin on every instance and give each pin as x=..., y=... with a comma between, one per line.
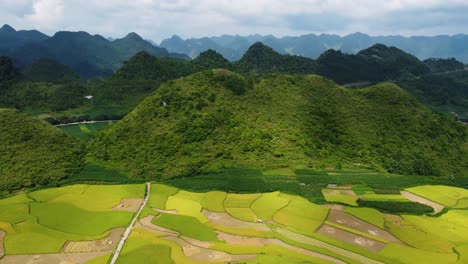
x=187, y=227
x=74, y=223
x=83, y=224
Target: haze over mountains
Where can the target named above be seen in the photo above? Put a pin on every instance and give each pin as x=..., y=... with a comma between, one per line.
x=311, y=45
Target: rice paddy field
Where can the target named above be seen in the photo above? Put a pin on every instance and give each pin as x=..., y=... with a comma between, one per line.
x=83, y=224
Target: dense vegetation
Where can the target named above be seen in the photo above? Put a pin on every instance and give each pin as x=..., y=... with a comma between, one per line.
x=444, y=65
x=33, y=152
x=46, y=70
x=199, y=123
x=397, y=207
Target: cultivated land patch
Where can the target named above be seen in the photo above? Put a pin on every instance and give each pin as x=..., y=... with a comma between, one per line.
x=106, y=244
x=343, y=219
x=340, y=195
x=2, y=236
x=129, y=204
x=367, y=243
x=70, y=224
x=418, y=199
x=445, y=195
x=52, y=258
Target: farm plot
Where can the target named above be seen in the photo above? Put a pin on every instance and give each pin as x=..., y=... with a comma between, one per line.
x=445, y=195
x=60, y=224
x=340, y=196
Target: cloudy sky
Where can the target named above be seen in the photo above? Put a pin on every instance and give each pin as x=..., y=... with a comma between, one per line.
x=159, y=19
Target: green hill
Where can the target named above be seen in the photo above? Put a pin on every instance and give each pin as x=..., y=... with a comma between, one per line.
x=217, y=119
x=47, y=70
x=32, y=152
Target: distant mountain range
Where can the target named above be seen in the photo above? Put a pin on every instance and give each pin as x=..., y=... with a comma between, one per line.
x=89, y=55
x=233, y=47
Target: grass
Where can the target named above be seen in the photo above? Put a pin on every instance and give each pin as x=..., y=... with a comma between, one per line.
x=267, y=205
x=213, y=201
x=416, y=256
x=14, y=213
x=244, y=214
x=187, y=226
x=369, y=215
x=70, y=219
x=463, y=251
x=240, y=200
x=159, y=195
x=339, y=198
x=186, y=207
x=362, y=189
x=444, y=195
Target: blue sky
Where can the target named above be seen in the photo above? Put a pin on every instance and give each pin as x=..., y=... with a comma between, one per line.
x=159, y=19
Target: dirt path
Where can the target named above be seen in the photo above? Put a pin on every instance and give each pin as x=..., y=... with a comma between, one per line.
x=130, y=227
x=418, y=199
x=315, y=242
x=62, y=258
x=148, y=225
x=2, y=250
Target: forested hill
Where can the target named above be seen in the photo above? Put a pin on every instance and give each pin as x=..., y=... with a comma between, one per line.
x=217, y=119
x=33, y=152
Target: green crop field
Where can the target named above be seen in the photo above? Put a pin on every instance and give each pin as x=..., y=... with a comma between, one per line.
x=445, y=195
x=42, y=221
x=84, y=131
x=215, y=226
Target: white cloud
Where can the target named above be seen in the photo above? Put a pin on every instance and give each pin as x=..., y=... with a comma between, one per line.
x=46, y=14
x=157, y=19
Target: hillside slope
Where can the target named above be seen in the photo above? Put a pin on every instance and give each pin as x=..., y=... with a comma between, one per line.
x=32, y=152
x=217, y=119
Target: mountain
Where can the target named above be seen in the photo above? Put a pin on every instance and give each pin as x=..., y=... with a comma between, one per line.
x=90, y=55
x=261, y=59
x=10, y=38
x=444, y=65
x=374, y=64
x=8, y=70
x=46, y=70
x=217, y=119
x=34, y=153
x=312, y=46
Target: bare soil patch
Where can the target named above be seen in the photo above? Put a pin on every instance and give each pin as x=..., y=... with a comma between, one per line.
x=349, y=237
x=418, y=199
x=337, y=207
x=207, y=255
x=148, y=225
x=64, y=258
x=2, y=237
x=129, y=204
x=225, y=219
x=347, y=220
x=106, y=244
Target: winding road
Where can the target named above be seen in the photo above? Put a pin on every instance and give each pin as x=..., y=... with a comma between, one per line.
x=130, y=227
